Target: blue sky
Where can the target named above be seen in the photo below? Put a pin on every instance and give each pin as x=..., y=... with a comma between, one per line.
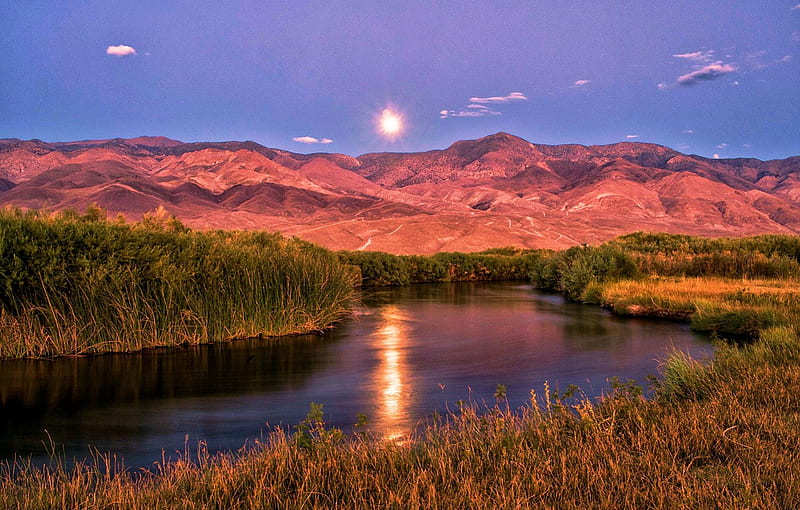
x=704, y=77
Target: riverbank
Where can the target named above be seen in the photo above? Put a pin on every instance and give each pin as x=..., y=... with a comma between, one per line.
x=717, y=435
x=80, y=284
x=720, y=434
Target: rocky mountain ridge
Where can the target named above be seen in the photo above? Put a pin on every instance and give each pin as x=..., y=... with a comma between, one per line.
x=498, y=190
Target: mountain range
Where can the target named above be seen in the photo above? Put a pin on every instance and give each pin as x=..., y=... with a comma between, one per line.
x=495, y=191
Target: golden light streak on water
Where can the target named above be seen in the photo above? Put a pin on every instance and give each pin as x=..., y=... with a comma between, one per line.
x=391, y=377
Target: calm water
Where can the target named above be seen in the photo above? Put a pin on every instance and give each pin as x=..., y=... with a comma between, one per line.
x=410, y=351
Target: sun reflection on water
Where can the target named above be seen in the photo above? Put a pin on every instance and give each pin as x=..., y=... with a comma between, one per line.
x=391, y=340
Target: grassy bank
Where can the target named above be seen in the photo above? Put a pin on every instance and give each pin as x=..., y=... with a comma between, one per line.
x=722, y=435
x=739, y=307
x=80, y=284
x=717, y=434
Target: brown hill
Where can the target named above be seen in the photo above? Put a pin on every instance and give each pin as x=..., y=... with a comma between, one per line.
x=495, y=191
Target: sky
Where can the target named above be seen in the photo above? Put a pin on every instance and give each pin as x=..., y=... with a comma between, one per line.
x=714, y=78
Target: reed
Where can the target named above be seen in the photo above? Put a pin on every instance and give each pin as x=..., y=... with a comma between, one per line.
x=731, y=445
x=74, y=285
x=719, y=433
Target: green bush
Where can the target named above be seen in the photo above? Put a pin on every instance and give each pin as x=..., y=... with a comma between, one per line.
x=579, y=268
x=384, y=269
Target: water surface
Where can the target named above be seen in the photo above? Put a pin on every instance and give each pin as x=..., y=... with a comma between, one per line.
x=410, y=351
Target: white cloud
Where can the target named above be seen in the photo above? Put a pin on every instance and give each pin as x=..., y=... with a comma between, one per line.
x=688, y=131
x=723, y=145
x=512, y=96
x=477, y=106
x=631, y=136
x=120, y=50
x=697, y=56
x=746, y=145
x=796, y=7
x=716, y=156
x=706, y=73
x=311, y=139
x=580, y=83
x=468, y=113
x=706, y=68
x=784, y=59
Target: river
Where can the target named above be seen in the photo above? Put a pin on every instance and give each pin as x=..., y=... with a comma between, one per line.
x=409, y=352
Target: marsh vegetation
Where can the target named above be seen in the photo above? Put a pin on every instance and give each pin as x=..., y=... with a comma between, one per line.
x=720, y=434
x=80, y=284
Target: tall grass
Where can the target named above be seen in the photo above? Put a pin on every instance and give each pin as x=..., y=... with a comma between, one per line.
x=724, y=437
x=79, y=284
x=720, y=433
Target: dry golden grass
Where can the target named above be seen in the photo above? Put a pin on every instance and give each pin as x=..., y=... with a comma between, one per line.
x=721, y=434
x=732, y=306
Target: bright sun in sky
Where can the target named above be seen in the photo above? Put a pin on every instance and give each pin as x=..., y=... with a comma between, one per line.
x=391, y=124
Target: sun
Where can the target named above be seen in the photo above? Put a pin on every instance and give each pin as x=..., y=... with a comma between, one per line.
x=390, y=124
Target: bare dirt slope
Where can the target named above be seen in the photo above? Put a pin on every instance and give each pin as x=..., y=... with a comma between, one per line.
x=499, y=190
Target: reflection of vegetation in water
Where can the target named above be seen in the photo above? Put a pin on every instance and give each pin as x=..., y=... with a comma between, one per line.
x=80, y=284
x=42, y=386
x=723, y=434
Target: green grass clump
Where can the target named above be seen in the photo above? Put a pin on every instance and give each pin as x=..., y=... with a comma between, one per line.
x=74, y=285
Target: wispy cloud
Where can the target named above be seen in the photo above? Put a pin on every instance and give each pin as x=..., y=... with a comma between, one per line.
x=688, y=131
x=796, y=7
x=580, y=84
x=723, y=145
x=706, y=68
x=631, y=137
x=311, y=139
x=512, y=96
x=756, y=61
x=706, y=73
x=120, y=50
x=443, y=114
x=483, y=106
x=697, y=56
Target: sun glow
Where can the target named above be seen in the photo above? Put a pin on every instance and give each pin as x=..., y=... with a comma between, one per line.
x=390, y=124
